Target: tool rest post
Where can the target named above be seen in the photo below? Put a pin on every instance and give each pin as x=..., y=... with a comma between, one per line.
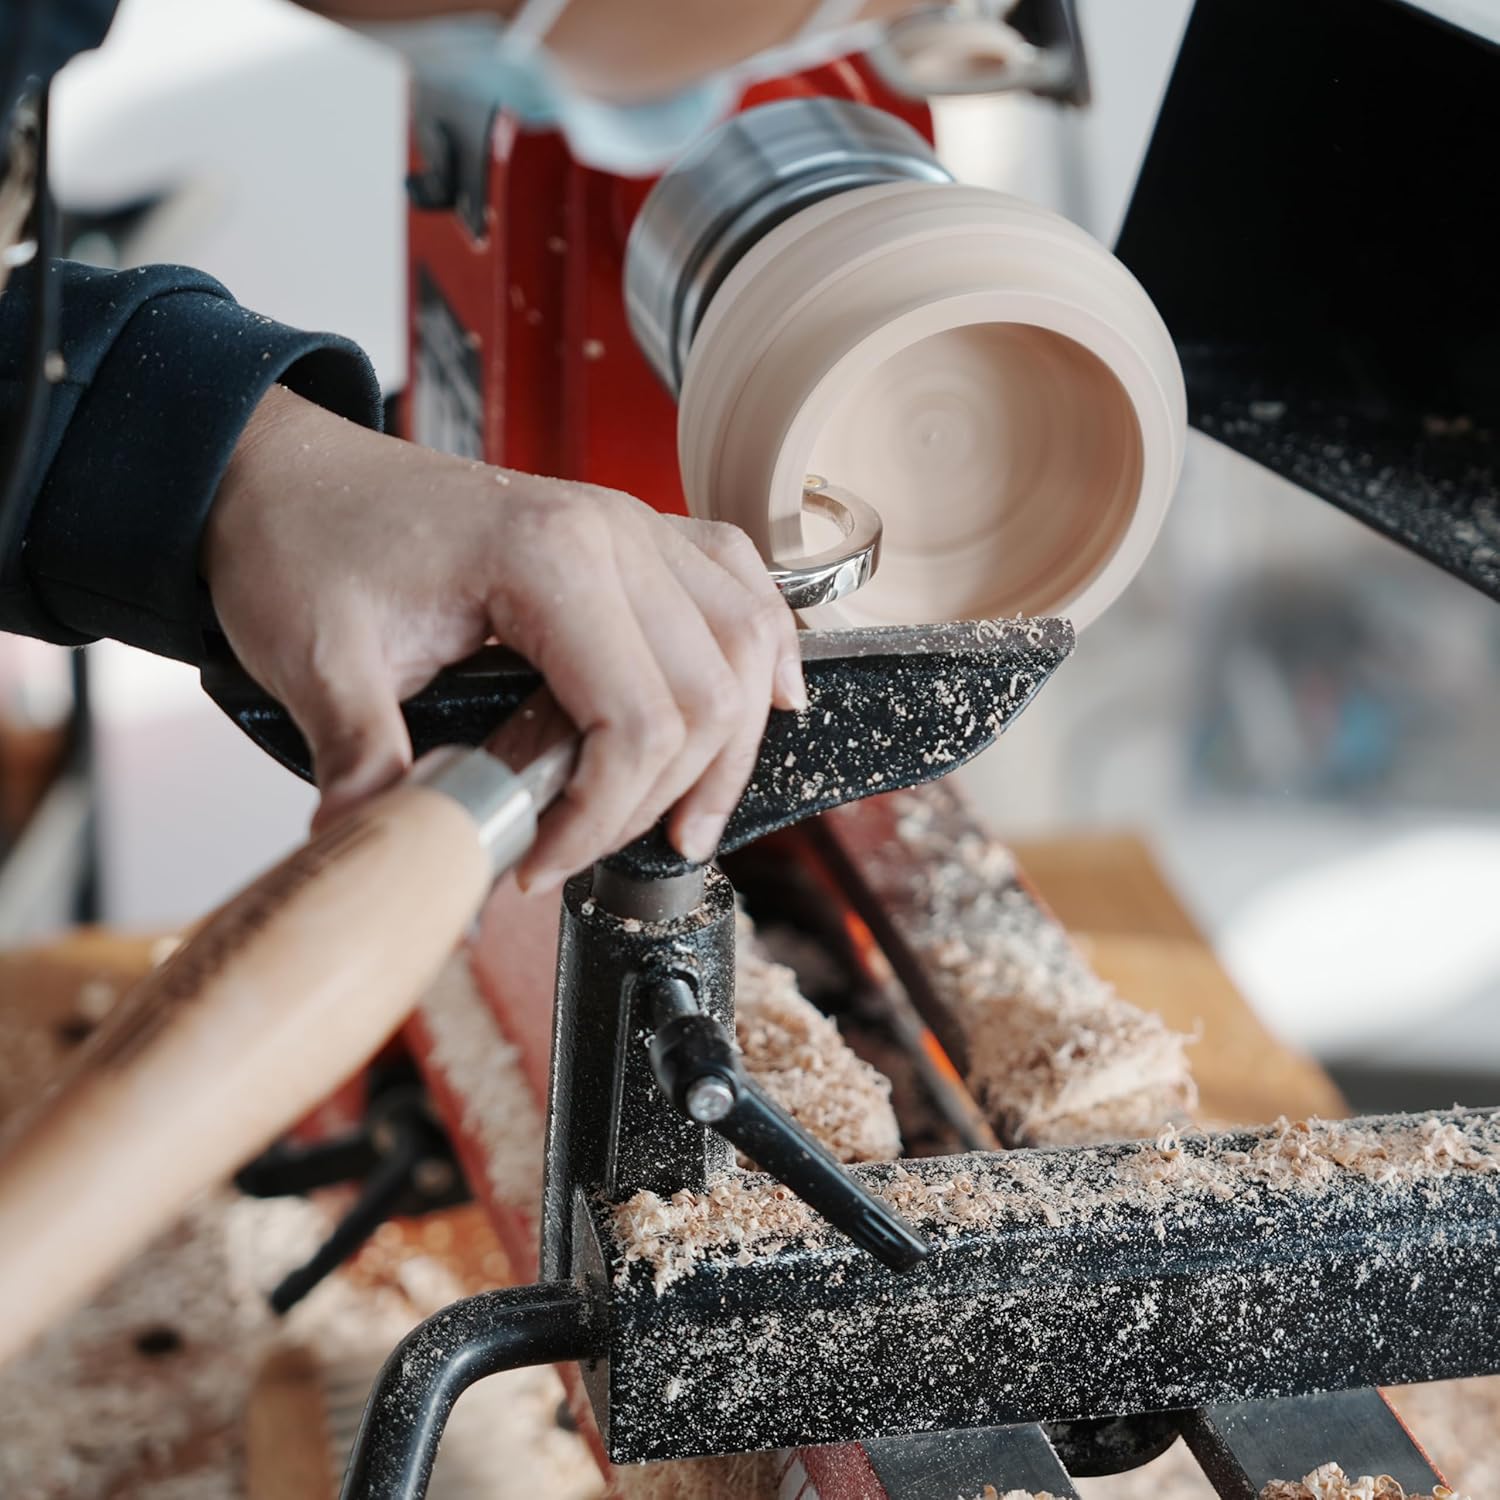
x=609, y=1127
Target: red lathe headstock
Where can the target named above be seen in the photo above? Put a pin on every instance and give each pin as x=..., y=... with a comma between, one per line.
x=520, y=352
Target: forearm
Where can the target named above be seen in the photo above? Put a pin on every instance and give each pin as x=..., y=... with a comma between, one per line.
x=162, y=370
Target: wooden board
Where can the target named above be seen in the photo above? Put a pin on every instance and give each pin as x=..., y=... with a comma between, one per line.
x=1108, y=891
x=52, y=995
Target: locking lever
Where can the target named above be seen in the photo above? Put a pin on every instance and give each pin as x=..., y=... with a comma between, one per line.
x=697, y=1068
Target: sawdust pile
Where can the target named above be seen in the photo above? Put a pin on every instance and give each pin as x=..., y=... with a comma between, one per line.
x=989, y=1492
x=143, y=1388
x=142, y=1394
x=798, y=1057
x=1331, y=1483
x=484, y=1070
x=1055, y=1055
x=740, y=1476
x=1171, y=1178
x=1310, y=1156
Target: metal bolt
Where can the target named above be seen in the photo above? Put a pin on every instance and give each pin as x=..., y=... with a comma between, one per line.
x=710, y=1099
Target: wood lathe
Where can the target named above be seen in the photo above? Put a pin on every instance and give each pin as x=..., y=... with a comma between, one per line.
x=911, y=1328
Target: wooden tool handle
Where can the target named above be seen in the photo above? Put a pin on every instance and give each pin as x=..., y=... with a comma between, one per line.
x=284, y=992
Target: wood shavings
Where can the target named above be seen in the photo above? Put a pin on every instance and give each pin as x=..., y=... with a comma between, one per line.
x=148, y=1381
x=1054, y=1054
x=738, y=1476
x=1310, y=1156
x=1329, y=1482
x=484, y=1070
x=88, y=1415
x=798, y=1056
x=1173, y=1178
x=141, y=1394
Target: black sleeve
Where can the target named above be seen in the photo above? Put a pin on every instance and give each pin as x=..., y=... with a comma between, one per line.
x=38, y=36
x=162, y=369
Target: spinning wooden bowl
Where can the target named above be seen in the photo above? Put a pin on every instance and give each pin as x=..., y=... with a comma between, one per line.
x=979, y=369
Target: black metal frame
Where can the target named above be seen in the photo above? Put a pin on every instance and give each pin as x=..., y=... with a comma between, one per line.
x=1127, y=1309
x=1316, y=220
x=441, y=1358
x=1245, y=1447
x=1114, y=1309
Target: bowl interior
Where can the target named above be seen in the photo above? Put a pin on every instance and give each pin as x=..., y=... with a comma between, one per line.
x=1005, y=460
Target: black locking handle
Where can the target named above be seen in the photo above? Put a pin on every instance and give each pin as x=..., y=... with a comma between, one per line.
x=697, y=1068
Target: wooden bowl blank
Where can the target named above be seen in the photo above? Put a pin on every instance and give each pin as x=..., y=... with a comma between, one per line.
x=980, y=370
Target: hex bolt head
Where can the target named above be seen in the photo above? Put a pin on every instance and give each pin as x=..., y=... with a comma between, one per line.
x=710, y=1099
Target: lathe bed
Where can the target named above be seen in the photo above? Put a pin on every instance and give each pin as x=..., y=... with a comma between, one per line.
x=1106, y=889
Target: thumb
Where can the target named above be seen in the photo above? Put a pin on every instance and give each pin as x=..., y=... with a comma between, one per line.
x=349, y=714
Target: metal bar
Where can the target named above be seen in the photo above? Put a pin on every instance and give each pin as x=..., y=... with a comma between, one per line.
x=1068, y=1284
x=440, y=1359
x=940, y=1465
x=379, y=1195
x=1248, y=1445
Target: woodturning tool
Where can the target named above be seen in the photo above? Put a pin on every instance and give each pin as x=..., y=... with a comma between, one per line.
x=283, y=989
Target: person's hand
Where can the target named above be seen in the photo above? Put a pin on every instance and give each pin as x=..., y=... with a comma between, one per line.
x=347, y=568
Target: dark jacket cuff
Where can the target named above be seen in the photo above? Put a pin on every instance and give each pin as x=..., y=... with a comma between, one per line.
x=112, y=548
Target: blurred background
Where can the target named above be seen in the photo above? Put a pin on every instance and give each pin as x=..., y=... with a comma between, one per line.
x=1299, y=716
